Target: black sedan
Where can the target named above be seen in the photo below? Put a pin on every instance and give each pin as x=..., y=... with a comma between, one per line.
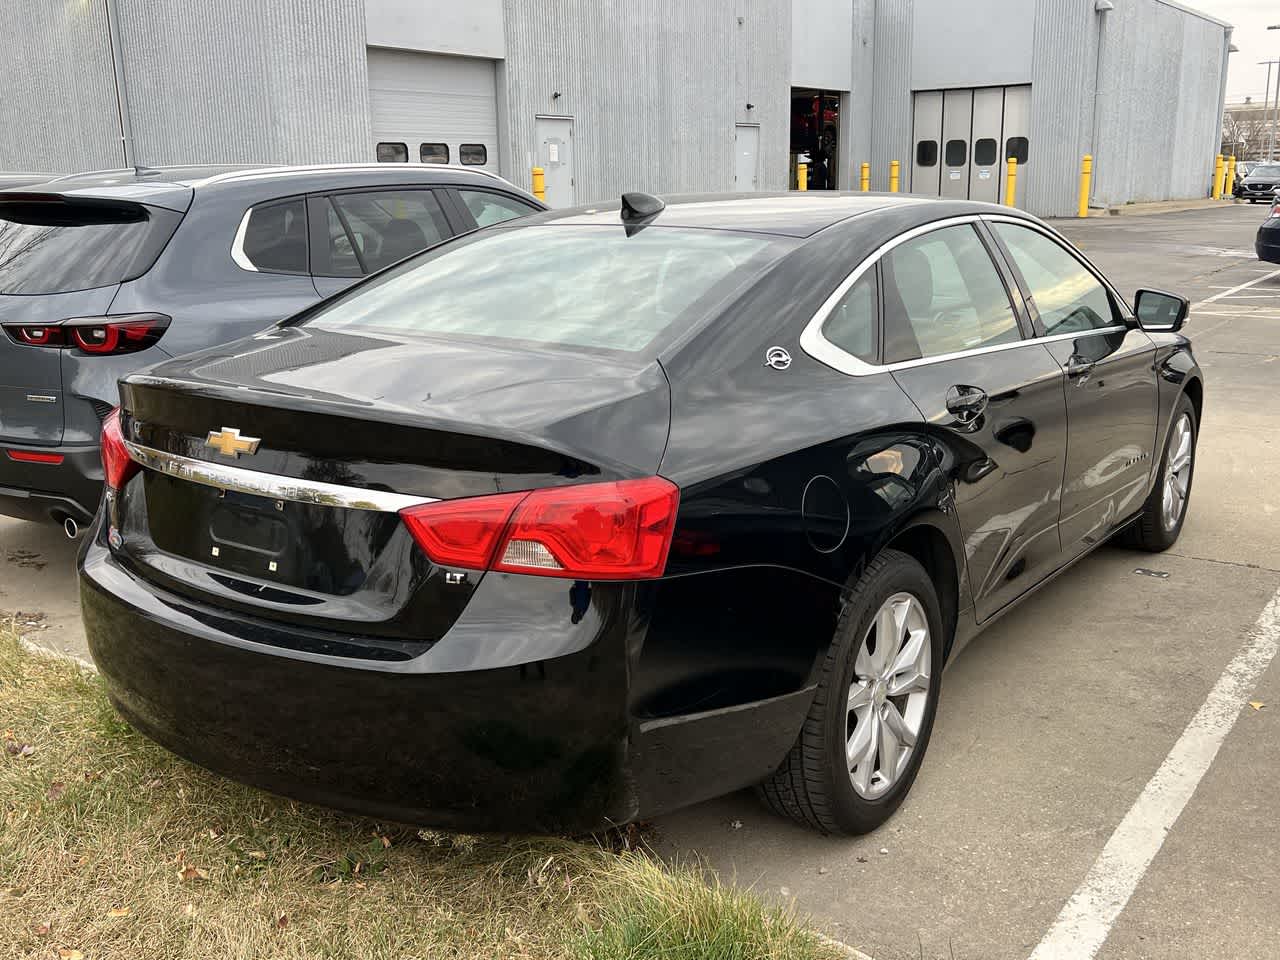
x=596, y=514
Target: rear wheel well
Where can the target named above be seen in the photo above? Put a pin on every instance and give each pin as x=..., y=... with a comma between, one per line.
x=929, y=547
x=1195, y=393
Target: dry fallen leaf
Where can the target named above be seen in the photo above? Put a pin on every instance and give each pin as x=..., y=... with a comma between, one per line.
x=1257, y=704
x=282, y=921
x=66, y=953
x=386, y=842
x=57, y=789
x=189, y=910
x=15, y=749
x=40, y=929
x=192, y=873
x=118, y=912
x=256, y=855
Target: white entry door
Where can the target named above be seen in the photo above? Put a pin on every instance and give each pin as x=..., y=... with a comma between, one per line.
x=746, y=169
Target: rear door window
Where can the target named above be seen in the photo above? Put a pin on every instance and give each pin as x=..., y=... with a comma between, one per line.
x=57, y=246
x=488, y=208
x=369, y=231
x=942, y=295
x=273, y=238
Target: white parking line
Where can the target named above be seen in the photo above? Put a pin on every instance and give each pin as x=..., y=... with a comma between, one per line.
x=1085, y=922
x=1241, y=286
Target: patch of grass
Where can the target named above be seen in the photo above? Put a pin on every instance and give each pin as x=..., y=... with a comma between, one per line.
x=111, y=847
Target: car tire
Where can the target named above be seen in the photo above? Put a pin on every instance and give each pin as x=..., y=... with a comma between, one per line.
x=815, y=785
x=1158, y=526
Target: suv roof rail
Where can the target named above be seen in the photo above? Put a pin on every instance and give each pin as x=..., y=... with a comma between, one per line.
x=320, y=167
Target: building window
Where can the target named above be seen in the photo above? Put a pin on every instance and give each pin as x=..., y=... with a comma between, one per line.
x=1016, y=148
x=393, y=153
x=957, y=152
x=984, y=152
x=473, y=154
x=927, y=153
x=434, y=153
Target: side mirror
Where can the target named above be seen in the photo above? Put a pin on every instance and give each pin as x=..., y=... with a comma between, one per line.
x=1160, y=312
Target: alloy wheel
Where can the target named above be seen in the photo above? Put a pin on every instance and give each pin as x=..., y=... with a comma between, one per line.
x=888, y=695
x=1177, y=474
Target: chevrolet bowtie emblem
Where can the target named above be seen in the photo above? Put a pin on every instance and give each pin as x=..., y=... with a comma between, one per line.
x=229, y=443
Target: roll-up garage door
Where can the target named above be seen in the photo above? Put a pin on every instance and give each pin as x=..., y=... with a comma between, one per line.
x=428, y=108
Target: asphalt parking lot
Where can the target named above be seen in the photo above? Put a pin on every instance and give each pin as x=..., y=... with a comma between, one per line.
x=1037, y=793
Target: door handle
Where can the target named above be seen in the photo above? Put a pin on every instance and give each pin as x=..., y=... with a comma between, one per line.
x=1078, y=367
x=966, y=403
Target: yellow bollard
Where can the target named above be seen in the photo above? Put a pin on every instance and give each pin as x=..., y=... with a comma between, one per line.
x=1011, y=182
x=865, y=177
x=802, y=176
x=1230, y=190
x=540, y=184
x=894, y=168
x=1086, y=177
x=1218, y=171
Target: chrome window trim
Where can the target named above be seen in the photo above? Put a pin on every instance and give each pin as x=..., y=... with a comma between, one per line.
x=824, y=351
x=293, y=489
x=237, y=245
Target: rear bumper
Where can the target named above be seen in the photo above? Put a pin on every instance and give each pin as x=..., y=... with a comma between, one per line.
x=544, y=744
x=46, y=491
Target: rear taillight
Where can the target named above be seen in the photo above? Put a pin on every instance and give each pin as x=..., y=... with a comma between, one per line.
x=117, y=465
x=126, y=333
x=595, y=531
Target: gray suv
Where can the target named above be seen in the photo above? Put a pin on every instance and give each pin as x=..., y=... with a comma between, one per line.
x=102, y=274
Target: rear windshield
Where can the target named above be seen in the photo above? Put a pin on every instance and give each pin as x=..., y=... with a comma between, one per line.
x=571, y=285
x=58, y=246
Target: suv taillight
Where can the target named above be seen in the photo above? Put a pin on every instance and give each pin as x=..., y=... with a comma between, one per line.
x=117, y=465
x=594, y=531
x=126, y=333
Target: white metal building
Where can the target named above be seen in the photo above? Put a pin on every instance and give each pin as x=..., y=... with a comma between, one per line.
x=610, y=95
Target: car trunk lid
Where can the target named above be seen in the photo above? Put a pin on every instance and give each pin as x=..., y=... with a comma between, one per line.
x=292, y=463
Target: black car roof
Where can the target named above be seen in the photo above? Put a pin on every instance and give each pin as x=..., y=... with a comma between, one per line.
x=793, y=214
x=173, y=186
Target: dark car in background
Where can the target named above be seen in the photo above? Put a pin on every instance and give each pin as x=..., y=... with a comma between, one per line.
x=102, y=274
x=1260, y=183
x=1267, y=243
x=586, y=517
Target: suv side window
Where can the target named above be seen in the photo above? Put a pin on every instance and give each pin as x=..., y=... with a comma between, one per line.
x=369, y=231
x=489, y=208
x=273, y=238
x=943, y=294
x=1067, y=296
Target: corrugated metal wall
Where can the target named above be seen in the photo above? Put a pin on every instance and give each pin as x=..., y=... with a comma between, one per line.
x=654, y=86
x=891, y=96
x=1159, y=106
x=246, y=81
x=1061, y=103
x=57, y=96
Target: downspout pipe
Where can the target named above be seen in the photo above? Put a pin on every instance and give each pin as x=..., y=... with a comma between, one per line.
x=122, y=92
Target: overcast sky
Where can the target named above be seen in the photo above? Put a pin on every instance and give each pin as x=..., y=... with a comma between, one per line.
x=1251, y=19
